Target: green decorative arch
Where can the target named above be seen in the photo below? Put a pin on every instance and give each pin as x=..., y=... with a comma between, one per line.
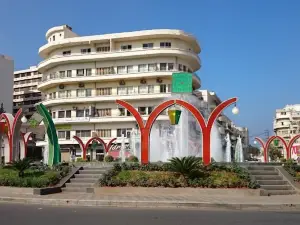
x=53, y=146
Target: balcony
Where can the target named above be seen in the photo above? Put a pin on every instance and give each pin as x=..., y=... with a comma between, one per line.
x=280, y=126
x=55, y=79
x=192, y=57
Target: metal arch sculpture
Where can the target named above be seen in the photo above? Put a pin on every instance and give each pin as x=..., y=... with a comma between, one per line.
x=84, y=147
x=205, y=126
x=292, y=141
x=265, y=147
x=13, y=132
x=53, y=145
x=24, y=144
x=283, y=142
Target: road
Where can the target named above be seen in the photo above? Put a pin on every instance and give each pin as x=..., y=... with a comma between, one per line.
x=16, y=214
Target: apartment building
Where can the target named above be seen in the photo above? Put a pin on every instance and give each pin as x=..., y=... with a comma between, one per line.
x=6, y=85
x=84, y=75
x=287, y=125
x=26, y=94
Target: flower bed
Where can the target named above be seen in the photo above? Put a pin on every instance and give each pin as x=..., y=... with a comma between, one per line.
x=169, y=175
x=33, y=177
x=292, y=168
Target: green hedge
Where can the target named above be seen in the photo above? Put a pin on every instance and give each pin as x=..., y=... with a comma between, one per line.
x=292, y=168
x=161, y=175
x=36, y=177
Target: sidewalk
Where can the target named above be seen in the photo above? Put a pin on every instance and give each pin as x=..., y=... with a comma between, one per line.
x=158, y=197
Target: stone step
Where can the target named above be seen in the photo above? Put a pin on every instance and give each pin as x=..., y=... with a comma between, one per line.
x=276, y=187
x=263, y=172
x=88, y=175
x=279, y=192
x=272, y=182
x=269, y=168
x=92, y=171
x=267, y=177
x=84, y=180
x=97, y=168
x=79, y=185
x=75, y=189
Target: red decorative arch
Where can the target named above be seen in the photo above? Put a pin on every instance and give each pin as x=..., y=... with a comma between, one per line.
x=84, y=147
x=292, y=141
x=25, y=138
x=13, y=131
x=206, y=128
x=283, y=142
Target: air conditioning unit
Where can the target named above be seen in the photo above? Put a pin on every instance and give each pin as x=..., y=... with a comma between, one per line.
x=159, y=80
x=81, y=85
x=61, y=86
x=122, y=82
x=143, y=81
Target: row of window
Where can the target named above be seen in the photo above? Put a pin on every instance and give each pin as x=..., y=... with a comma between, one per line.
x=32, y=95
x=28, y=74
x=94, y=112
x=29, y=81
x=103, y=133
x=126, y=47
x=25, y=89
x=129, y=90
x=151, y=67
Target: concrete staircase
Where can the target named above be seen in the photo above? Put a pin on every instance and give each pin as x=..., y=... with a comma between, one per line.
x=270, y=181
x=86, y=178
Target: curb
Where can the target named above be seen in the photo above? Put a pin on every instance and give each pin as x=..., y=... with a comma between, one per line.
x=153, y=204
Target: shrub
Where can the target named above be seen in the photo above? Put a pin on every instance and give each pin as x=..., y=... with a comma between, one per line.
x=293, y=169
x=132, y=158
x=108, y=158
x=81, y=160
x=21, y=165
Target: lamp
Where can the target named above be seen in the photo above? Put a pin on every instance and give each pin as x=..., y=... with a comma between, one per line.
x=174, y=115
x=235, y=110
x=255, y=142
x=24, y=119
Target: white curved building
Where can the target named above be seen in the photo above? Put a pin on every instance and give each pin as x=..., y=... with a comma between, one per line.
x=83, y=76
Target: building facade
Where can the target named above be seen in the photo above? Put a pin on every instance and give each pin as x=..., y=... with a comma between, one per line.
x=6, y=86
x=26, y=94
x=83, y=76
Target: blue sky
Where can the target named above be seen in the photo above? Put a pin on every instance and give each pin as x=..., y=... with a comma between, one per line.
x=250, y=48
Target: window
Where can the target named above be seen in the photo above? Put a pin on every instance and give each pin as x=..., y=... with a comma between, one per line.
x=80, y=93
x=104, y=91
x=54, y=94
x=122, y=90
x=142, y=110
x=61, y=134
x=104, y=70
x=53, y=114
x=103, y=49
x=121, y=111
x=142, y=67
x=125, y=131
x=87, y=112
x=65, y=53
x=69, y=94
x=150, y=109
x=80, y=72
x=88, y=92
x=184, y=68
x=68, y=113
x=170, y=66
x=163, y=88
x=130, y=69
x=143, y=89
x=88, y=72
x=189, y=70
x=151, y=89
x=85, y=51
x=104, y=112
x=148, y=45
x=152, y=67
x=180, y=67
x=69, y=73
x=165, y=44
x=61, y=114
x=169, y=88
x=130, y=90
x=163, y=66
x=126, y=47
x=83, y=133
x=80, y=113
x=121, y=69
x=53, y=38
x=61, y=94
x=104, y=132
x=68, y=135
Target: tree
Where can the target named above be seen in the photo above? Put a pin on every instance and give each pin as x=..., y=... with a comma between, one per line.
x=274, y=152
x=2, y=110
x=253, y=150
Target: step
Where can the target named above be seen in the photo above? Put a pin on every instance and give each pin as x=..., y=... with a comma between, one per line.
x=84, y=180
x=263, y=172
x=276, y=187
x=74, y=189
x=267, y=177
x=272, y=182
x=92, y=171
x=261, y=168
x=279, y=192
x=88, y=176
x=97, y=168
x=79, y=185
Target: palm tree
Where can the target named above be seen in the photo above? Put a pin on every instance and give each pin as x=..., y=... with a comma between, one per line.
x=21, y=165
x=188, y=167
